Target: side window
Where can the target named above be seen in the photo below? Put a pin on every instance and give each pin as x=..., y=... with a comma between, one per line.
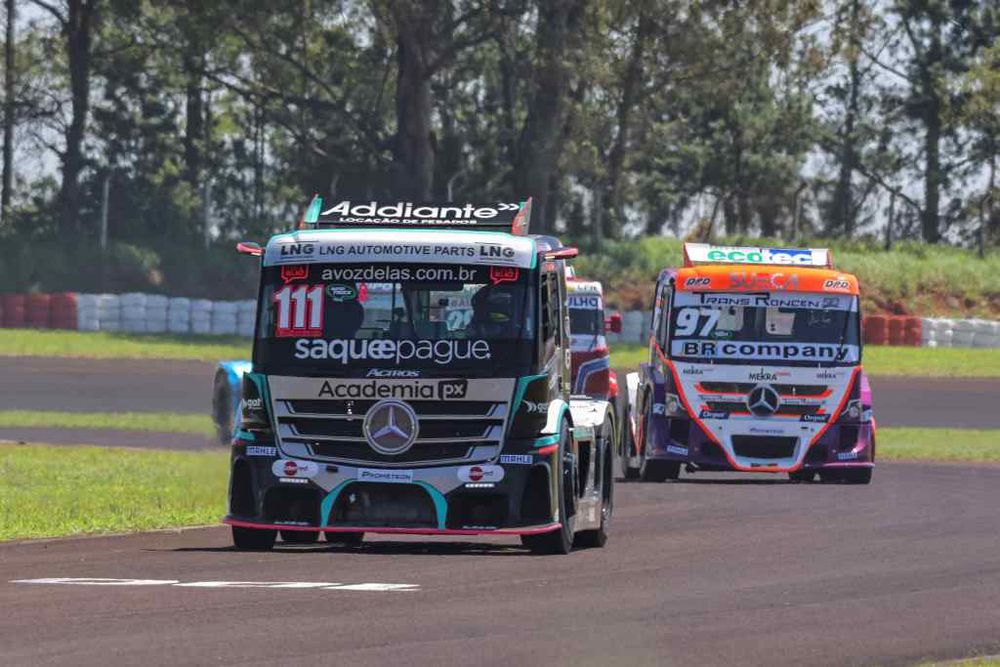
x=667, y=294
x=545, y=307
x=657, y=307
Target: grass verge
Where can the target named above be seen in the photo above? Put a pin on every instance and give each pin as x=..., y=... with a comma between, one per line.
x=107, y=345
x=878, y=360
x=939, y=444
x=54, y=491
x=166, y=422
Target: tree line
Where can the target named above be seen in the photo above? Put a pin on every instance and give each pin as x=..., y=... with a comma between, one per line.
x=776, y=118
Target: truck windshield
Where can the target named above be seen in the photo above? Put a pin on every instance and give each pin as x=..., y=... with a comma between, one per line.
x=328, y=318
x=775, y=327
x=586, y=322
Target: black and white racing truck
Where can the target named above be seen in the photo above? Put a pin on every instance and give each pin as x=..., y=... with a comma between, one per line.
x=411, y=374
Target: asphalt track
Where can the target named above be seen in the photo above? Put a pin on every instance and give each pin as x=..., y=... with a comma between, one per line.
x=88, y=385
x=697, y=572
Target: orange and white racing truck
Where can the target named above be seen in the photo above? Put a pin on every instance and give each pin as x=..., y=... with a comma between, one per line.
x=754, y=365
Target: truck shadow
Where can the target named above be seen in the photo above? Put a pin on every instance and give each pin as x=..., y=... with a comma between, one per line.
x=379, y=548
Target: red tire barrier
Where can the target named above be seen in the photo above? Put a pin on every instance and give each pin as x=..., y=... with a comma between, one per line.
x=37, y=310
x=897, y=326
x=13, y=310
x=62, y=312
x=876, y=330
x=912, y=331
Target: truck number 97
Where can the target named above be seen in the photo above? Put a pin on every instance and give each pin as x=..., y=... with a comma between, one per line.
x=688, y=320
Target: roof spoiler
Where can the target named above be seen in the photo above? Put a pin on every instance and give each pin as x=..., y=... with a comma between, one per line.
x=703, y=253
x=499, y=217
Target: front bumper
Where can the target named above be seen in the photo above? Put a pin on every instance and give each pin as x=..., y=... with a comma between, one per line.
x=840, y=446
x=428, y=500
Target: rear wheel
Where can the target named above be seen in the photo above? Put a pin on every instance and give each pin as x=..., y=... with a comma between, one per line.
x=253, y=539
x=299, y=536
x=222, y=408
x=598, y=537
x=344, y=539
x=558, y=541
x=627, y=445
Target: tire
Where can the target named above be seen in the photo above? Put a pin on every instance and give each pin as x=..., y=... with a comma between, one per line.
x=627, y=445
x=800, y=476
x=597, y=538
x=660, y=471
x=253, y=539
x=558, y=541
x=344, y=539
x=222, y=408
x=299, y=537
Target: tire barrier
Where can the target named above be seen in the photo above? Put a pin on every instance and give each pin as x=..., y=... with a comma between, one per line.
x=136, y=312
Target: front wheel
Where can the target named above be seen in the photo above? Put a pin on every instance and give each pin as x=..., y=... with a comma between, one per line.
x=558, y=541
x=253, y=539
x=598, y=537
x=344, y=539
x=847, y=476
x=222, y=408
x=660, y=471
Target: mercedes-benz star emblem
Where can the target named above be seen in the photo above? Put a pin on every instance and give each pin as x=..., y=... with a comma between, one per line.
x=763, y=400
x=391, y=427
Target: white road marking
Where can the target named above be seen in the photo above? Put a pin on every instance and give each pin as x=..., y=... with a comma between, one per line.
x=319, y=585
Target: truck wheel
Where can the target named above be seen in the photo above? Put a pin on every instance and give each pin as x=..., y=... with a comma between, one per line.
x=253, y=539
x=660, y=471
x=558, y=541
x=591, y=539
x=344, y=539
x=299, y=536
x=800, y=476
x=222, y=408
x=847, y=476
x=627, y=445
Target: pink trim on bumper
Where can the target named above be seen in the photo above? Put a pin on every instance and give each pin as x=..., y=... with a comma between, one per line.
x=530, y=530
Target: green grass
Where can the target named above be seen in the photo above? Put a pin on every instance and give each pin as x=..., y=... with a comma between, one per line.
x=881, y=360
x=167, y=422
x=54, y=491
x=939, y=444
x=107, y=345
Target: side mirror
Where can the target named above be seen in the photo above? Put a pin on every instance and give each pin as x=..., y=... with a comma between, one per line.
x=249, y=248
x=614, y=323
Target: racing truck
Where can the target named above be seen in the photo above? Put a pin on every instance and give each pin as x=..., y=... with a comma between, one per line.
x=754, y=365
x=411, y=373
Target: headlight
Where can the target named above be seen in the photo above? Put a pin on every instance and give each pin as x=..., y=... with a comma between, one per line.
x=672, y=404
x=253, y=412
x=853, y=410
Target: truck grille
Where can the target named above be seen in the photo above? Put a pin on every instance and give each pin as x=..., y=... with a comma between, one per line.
x=452, y=431
x=764, y=447
x=812, y=390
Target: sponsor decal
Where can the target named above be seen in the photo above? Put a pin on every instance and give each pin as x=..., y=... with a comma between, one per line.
x=776, y=300
x=408, y=213
x=691, y=370
x=533, y=408
x=836, y=285
x=756, y=430
x=674, y=449
x=713, y=414
x=659, y=409
x=259, y=450
x=294, y=468
x=764, y=281
x=763, y=376
x=389, y=274
x=340, y=292
x=847, y=456
x=763, y=401
x=293, y=480
x=516, y=459
x=480, y=473
x=293, y=272
x=585, y=302
x=251, y=403
x=391, y=373
x=385, y=476
x=346, y=351
x=698, y=281
x=681, y=347
x=504, y=274
x=703, y=253
x=827, y=375
x=817, y=419
x=494, y=252
x=415, y=390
